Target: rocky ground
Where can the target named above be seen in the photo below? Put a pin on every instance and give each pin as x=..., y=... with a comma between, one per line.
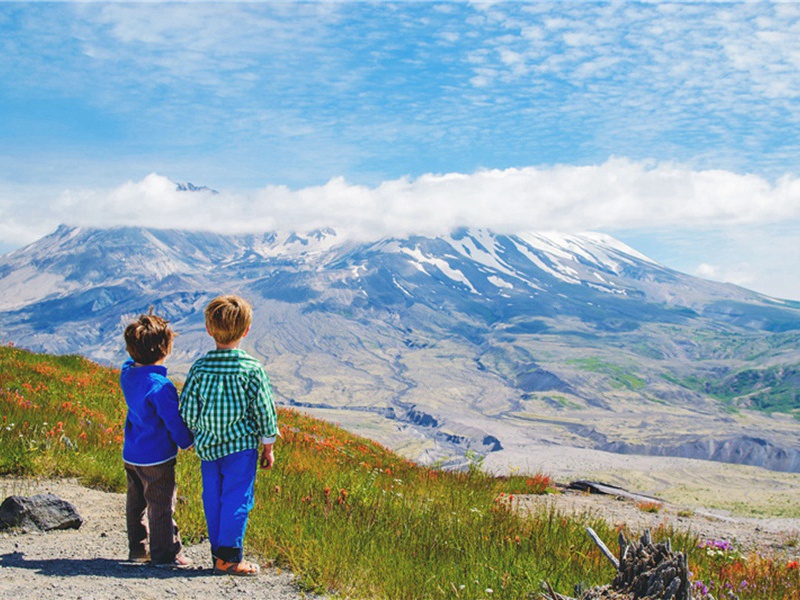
x=89, y=563
x=772, y=535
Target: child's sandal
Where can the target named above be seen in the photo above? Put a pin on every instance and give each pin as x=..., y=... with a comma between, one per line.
x=242, y=568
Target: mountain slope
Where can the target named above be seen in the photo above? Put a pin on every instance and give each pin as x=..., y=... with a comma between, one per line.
x=474, y=340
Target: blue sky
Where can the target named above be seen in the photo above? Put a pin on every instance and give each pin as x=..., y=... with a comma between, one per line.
x=673, y=126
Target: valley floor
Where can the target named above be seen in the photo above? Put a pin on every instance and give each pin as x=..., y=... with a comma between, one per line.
x=726, y=489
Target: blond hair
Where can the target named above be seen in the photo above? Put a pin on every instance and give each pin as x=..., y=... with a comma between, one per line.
x=228, y=318
x=148, y=339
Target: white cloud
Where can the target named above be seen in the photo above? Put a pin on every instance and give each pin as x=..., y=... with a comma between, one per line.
x=619, y=194
x=707, y=271
x=738, y=273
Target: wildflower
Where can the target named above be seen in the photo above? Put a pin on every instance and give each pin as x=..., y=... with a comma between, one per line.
x=792, y=565
x=716, y=547
x=277, y=489
x=701, y=587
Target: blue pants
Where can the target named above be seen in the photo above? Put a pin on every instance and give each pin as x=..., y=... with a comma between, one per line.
x=228, y=486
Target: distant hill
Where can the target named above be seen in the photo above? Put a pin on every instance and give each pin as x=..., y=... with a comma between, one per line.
x=438, y=345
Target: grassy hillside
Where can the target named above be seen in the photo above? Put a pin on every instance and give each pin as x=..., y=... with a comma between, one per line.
x=345, y=514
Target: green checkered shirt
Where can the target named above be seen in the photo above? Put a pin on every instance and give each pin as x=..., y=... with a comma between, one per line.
x=227, y=403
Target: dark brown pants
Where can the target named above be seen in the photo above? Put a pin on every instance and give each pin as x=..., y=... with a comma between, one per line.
x=149, y=507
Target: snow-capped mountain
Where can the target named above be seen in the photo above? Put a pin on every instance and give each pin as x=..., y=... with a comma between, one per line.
x=469, y=340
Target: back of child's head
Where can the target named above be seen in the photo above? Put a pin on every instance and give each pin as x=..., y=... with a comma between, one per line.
x=228, y=318
x=148, y=339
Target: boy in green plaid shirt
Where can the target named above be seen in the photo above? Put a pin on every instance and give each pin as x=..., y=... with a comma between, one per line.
x=227, y=403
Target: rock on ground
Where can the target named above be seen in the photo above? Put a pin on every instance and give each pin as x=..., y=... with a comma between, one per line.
x=40, y=511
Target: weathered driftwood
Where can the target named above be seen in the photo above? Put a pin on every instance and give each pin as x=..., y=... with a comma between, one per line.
x=596, y=487
x=604, y=549
x=645, y=571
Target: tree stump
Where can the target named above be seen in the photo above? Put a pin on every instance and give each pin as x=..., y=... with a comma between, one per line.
x=652, y=571
x=645, y=571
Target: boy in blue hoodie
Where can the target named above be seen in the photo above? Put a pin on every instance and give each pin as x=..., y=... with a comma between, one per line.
x=153, y=432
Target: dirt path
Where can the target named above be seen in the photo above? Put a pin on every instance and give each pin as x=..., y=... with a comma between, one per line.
x=88, y=563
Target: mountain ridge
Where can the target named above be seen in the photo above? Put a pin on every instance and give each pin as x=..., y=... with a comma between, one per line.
x=437, y=345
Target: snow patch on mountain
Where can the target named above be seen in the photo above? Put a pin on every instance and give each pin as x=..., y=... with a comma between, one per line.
x=481, y=246
x=421, y=259
x=500, y=282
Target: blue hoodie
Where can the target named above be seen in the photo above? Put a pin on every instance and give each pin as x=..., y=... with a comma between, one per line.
x=153, y=428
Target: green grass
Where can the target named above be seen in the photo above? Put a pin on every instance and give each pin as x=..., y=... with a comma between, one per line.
x=621, y=378
x=769, y=389
x=565, y=402
x=346, y=515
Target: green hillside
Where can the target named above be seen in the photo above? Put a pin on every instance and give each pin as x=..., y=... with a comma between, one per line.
x=348, y=516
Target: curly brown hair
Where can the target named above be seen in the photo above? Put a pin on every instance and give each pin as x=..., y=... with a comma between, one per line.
x=148, y=339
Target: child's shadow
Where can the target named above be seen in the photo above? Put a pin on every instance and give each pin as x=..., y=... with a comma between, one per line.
x=98, y=567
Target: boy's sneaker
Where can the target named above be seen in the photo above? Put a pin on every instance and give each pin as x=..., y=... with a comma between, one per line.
x=179, y=562
x=139, y=558
x=242, y=568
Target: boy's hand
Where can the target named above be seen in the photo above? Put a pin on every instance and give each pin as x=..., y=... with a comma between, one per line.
x=267, y=457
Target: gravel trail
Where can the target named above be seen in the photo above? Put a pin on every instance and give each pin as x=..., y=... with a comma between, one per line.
x=89, y=563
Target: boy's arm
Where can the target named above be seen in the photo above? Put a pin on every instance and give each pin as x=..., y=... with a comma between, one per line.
x=166, y=405
x=267, y=456
x=263, y=406
x=188, y=406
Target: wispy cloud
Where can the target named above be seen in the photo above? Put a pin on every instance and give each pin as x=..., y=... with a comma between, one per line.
x=303, y=92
